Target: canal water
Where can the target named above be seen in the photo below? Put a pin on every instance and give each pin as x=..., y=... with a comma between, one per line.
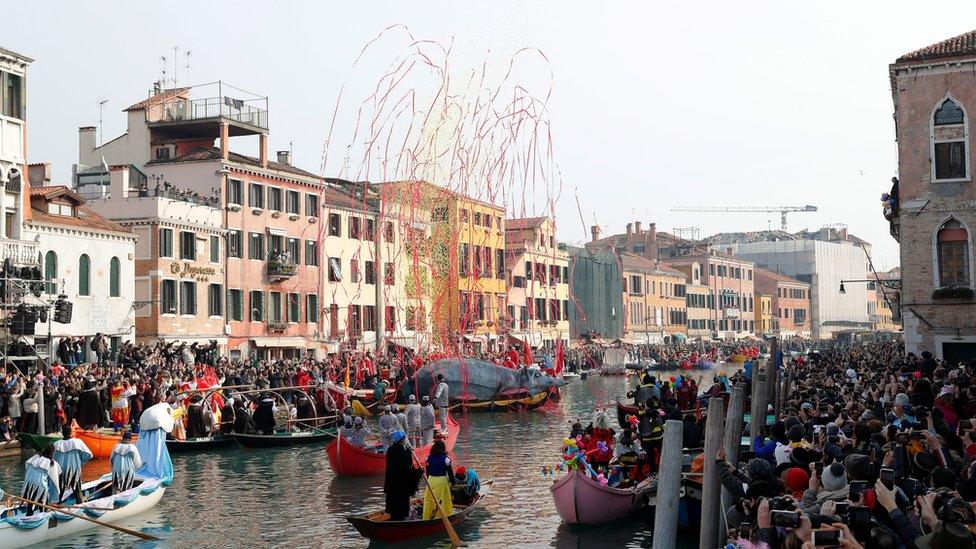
x=289, y=496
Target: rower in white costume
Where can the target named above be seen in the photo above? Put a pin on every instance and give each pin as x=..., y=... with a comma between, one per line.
x=359, y=432
x=125, y=462
x=70, y=454
x=41, y=479
x=388, y=424
x=427, y=416
x=413, y=421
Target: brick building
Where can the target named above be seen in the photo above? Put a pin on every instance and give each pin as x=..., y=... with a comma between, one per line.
x=730, y=281
x=537, y=270
x=655, y=303
x=934, y=211
x=789, y=302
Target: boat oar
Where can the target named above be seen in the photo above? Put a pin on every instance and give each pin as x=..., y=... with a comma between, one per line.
x=140, y=535
x=455, y=540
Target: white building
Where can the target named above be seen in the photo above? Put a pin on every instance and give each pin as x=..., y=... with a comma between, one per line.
x=13, y=156
x=91, y=261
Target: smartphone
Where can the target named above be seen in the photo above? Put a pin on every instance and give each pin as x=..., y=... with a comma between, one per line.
x=842, y=507
x=745, y=530
x=857, y=489
x=786, y=519
x=887, y=477
x=819, y=468
x=826, y=538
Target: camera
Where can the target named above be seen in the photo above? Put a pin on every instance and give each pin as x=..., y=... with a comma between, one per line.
x=857, y=489
x=842, y=507
x=887, y=478
x=786, y=519
x=826, y=538
x=782, y=503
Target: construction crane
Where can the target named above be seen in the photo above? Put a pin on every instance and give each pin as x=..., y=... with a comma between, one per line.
x=783, y=210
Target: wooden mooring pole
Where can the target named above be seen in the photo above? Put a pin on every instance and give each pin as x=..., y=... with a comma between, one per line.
x=711, y=484
x=668, y=486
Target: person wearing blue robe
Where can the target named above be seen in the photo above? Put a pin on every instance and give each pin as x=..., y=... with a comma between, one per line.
x=41, y=479
x=70, y=454
x=125, y=461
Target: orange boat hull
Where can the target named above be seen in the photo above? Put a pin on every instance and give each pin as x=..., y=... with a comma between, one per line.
x=349, y=460
x=101, y=445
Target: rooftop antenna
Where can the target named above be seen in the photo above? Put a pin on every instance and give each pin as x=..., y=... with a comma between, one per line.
x=163, y=79
x=176, y=66
x=101, y=130
x=345, y=163
x=188, y=68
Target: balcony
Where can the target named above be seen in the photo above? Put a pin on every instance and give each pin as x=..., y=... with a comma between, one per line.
x=200, y=117
x=20, y=252
x=281, y=268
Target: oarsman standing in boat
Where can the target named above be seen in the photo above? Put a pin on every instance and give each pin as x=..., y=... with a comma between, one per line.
x=401, y=477
x=388, y=424
x=264, y=416
x=125, y=462
x=197, y=425
x=241, y=416
x=427, y=416
x=70, y=454
x=41, y=479
x=227, y=417
x=413, y=420
x=359, y=432
x=442, y=400
x=401, y=417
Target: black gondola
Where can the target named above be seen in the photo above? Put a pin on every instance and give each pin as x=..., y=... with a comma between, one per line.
x=281, y=438
x=201, y=443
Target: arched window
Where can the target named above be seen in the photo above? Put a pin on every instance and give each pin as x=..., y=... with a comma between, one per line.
x=50, y=270
x=84, y=275
x=950, y=135
x=114, y=278
x=953, y=254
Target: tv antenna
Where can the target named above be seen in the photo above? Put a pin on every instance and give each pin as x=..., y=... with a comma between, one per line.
x=101, y=129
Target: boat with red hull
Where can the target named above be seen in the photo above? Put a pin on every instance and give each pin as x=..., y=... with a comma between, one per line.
x=378, y=526
x=349, y=460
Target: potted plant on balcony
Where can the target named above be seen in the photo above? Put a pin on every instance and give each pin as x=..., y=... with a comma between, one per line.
x=953, y=292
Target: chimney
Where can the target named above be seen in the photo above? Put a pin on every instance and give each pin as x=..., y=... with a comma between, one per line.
x=86, y=142
x=284, y=157
x=650, y=242
x=595, y=233
x=843, y=233
x=39, y=174
x=825, y=234
x=630, y=229
x=118, y=182
x=728, y=251
x=637, y=227
x=157, y=87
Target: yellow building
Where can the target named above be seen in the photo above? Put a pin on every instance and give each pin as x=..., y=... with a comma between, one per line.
x=458, y=267
x=764, y=313
x=655, y=301
x=538, y=282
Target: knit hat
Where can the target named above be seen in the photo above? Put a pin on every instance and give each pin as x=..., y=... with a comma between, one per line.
x=834, y=477
x=858, y=467
x=806, y=406
x=797, y=480
x=759, y=468
x=412, y=398
x=782, y=453
x=901, y=399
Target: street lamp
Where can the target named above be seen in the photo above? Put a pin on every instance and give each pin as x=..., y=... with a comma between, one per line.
x=842, y=290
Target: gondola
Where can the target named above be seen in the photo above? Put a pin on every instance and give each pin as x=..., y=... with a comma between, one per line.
x=347, y=459
x=284, y=438
x=200, y=444
x=101, y=441
x=378, y=526
x=581, y=500
x=530, y=402
x=35, y=441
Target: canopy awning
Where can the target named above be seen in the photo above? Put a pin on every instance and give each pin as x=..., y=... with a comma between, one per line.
x=680, y=336
x=533, y=338
x=221, y=340
x=476, y=338
x=284, y=341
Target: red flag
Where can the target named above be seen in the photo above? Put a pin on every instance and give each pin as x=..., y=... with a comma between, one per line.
x=560, y=357
x=527, y=352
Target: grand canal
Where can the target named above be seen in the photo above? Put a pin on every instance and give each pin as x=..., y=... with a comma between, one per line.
x=289, y=497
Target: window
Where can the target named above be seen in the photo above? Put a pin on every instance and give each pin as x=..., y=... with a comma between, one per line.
x=335, y=269
x=311, y=253
x=188, y=245
x=235, y=192
x=293, y=249
x=255, y=246
x=463, y=216
x=294, y=308
x=439, y=214
x=369, y=318
x=275, y=244
x=114, y=277
x=953, y=254
x=354, y=322
x=84, y=275
x=188, y=298
x=54, y=208
x=354, y=270
x=355, y=225
x=950, y=135
x=13, y=96
x=477, y=218
x=274, y=307
x=312, y=205
x=370, y=272
x=500, y=263
x=465, y=259
x=255, y=196
x=235, y=246
x=50, y=270
x=165, y=242
x=388, y=274
x=334, y=321
x=235, y=304
x=370, y=229
x=293, y=202
x=390, y=318
x=311, y=308
x=215, y=249
x=215, y=296
x=257, y=306
x=274, y=199
x=388, y=231
x=335, y=225
x=168, y=297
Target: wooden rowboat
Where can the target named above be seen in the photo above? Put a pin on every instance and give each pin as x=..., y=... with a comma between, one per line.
x=284, y=438
x=521, y=403
x=582, y=500
x=35, y=441
x=349, y=460
x=378, y=525
x=201, y=443
x=101, y=442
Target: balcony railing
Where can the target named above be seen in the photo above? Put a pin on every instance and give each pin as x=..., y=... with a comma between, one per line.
x=238, y=110
x=281, y=268
x=20, y=252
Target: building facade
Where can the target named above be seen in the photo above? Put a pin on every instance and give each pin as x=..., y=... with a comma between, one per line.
x=789, y=303
x=655, y=302
x=764, y=314
x=596, y=305
x=731, y=286
x=537, y=272
x=700, y=303
x=933, y=215
x=13, y=159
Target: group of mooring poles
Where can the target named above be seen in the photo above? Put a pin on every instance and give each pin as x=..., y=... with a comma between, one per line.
x=722, y=430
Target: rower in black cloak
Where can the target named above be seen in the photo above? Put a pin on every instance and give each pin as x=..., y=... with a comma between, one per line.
x=196, y=424
x=90, y=411
x=227, y=417
x=264, y=415
x=241, y=415
x=304, y=407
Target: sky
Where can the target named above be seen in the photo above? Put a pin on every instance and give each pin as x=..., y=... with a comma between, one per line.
x=654, y=105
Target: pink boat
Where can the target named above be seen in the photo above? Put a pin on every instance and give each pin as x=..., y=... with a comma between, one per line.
x=580, y=499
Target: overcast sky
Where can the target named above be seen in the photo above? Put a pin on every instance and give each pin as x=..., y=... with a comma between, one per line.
x=655, y=104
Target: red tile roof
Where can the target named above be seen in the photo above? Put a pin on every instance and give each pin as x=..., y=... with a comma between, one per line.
x=160, y=97
x=524, y=223
x=203, y=154
x=52, y=191
x=85, y=217
x=957, y=46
